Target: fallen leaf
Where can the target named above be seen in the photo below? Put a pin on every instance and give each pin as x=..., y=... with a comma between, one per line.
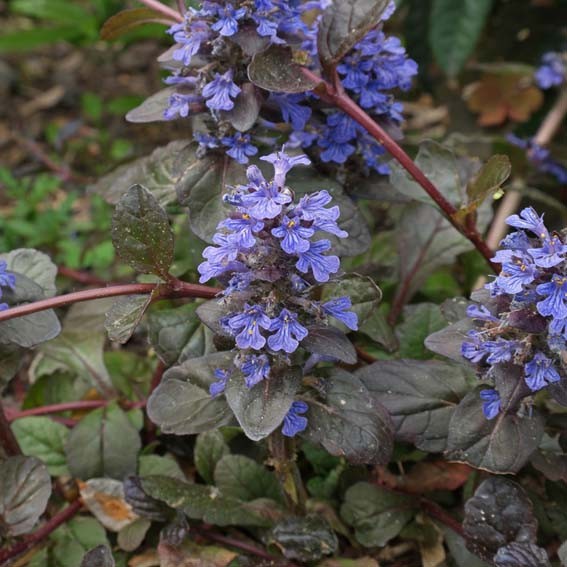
x=497, y=98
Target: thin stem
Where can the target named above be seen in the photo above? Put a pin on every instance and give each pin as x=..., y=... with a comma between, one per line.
x=157, y=376
x=171, y=290
x=365, y=356
x=181, y=7
x=81, y=405
x=435, y=511
x=42, y=533
x=8, y=440
x=283, y=456
x=232, y=542
x=341, y=100
x=163, y=9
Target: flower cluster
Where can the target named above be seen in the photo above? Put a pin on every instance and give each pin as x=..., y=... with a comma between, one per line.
x=553, y=70
x=525, y=321
x=541, y=158
x=6, y=280
x=214, y=47
x=266, y=256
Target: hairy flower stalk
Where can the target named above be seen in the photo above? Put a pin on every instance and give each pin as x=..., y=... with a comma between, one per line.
x=214, y=46
x=269, y=257
x=524, y=322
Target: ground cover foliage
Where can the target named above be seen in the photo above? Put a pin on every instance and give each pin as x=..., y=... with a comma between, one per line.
x=305, y=305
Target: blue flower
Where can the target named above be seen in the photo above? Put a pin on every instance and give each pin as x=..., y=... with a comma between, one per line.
x=312, y=207
x=247, y=324
x=500, y=350
x=540, y=372
x=295, y=236
x=339, y=308
x=541, y=157
x=266, y=200
x=227, y=24
x=529, y=220
x=550, y=254
x=242, y=226
x=218, y=387
x=314, y=260
x=240, y=146
x=210, y=270
x=255, y=369
x=179, y=105
x=476, y=311
x=491, y=405
x=220, y=91
x=292, y=112
x=295, y=423
x=189, y=41
x=283, y=164
x=555, y=304
x=289, y=332
x=553, y=71
x=333, y=150
x=473, y=350
x=226, y=251
x=6, y=280
x=516, y=275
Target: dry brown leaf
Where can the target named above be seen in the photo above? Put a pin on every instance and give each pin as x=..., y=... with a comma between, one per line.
x=497, y=98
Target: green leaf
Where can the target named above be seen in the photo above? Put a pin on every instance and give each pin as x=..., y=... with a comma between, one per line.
x=489, y=179
x=44, y=439
x=377, y=328
x=210, y=448
x=499, y=513
x=275, y=70
x=344, y=24
x=348, y=421
x=104, y=443
x=79, y=348
x=11, y=357
x=150, y=465
x=261, y=409
x=205, y=503
x=58, y=11
x=127, y=20
x=376, y=515
x=304, y=539
x=31, y=330
x=501, y=445
x=125, y=315
x=177, y=330
x=455, y=28
x=100, y=556
x=35, y=265
x=330, y=342
x=362, y=290
x=141, y=233
x=182, y=404
x=131, y=536
x=419, y=322
x=243, y=478
x=246, y=108
x=201, y=188
x=448, y=341
x=25, y=488
x=153, y=108
x=420, y=396
x=158, y=172
x=71, y=540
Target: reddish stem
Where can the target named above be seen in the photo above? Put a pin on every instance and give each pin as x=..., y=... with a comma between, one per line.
x=171, y=290
x=158, y=374
x=80, y=405
x=341, y=100
x=42, y=533
x=435, y=511
x=163, y=9
x=365, y=356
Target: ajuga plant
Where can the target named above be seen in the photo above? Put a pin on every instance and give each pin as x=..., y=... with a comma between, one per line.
x=262, y=393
